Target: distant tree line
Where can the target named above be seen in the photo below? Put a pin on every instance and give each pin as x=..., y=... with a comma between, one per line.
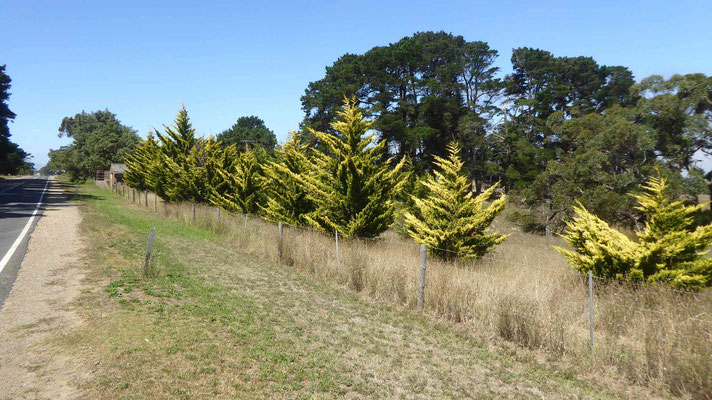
x=344, y=186
x=99, y=139
x=553, y=130
x=13, y=160
x=348, y=185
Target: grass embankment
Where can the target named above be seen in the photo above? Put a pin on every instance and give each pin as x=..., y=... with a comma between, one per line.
x=523, y=293
x=216, y=322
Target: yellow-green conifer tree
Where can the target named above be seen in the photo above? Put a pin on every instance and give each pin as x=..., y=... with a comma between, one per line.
x=352, y=189
x=175, y=146
x=243, y=185
x=194, y=178
x=449, y=219
x=287, y=198
x=669, y=249
x=140, y=162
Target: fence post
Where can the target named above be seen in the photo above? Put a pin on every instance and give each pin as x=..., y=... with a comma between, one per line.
x=280, y=241
x=155, y=202
x=338, y=262
x=133, y=195
x=193, y=211
x=76, y=191
x=590, y=306
x=245, y=228
x=421, y=276
x=149, y=248
x=218, y=215
x=145, y=198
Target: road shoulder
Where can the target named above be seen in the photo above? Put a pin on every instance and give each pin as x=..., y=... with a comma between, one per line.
x=38, y=307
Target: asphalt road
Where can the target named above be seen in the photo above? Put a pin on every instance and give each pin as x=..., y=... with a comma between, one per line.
x=22, y=202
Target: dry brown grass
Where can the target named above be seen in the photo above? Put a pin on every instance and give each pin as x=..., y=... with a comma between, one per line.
x=524, y=292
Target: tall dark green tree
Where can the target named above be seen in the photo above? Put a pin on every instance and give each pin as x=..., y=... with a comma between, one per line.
x=249, y=131
x=542, y=84
x=679, y=111
x=98, y=140
x=13, y=159
x=599, y=159
x=416, y=90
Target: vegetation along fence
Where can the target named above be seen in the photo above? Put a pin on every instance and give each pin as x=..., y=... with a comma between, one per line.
x=523, y=292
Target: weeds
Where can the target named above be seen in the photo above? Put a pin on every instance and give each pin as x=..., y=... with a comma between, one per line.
x=524, y=293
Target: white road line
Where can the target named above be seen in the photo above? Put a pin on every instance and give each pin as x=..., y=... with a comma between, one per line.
x=26, y=229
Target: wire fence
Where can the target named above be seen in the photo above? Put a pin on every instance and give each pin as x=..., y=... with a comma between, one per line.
x=222, y=217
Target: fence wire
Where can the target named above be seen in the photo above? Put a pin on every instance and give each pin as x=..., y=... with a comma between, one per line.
x=465, y=257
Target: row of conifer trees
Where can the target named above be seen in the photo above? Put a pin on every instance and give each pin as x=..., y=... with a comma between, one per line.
x=345, y=184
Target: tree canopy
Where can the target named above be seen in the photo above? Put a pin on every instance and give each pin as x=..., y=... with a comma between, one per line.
x=416, y=89
x=249, y=131
x=13, y=160
x=99, y=139
x=449, y=219
x=353, y=191
x=669, y=249
x=554, y=130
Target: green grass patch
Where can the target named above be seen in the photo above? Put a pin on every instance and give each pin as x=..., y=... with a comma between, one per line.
x=214, y=322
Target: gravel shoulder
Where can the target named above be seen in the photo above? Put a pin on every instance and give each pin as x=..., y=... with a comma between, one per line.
x=38, y=307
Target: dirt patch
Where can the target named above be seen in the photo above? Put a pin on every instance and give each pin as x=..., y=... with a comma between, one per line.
x=38, y=307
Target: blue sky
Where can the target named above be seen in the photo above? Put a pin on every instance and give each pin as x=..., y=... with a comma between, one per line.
x=229, y=59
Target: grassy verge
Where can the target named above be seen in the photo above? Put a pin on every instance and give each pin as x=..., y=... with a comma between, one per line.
x=216, y=322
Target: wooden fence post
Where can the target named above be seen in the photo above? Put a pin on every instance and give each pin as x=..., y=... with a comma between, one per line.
x=590, y=307
x=145, y=198
x=338, y=262
x=149, y=249
x=421, y=277
x=218, y=215
x=133, y=195
x=155, y=202
x=193, y=210
x=280, y=241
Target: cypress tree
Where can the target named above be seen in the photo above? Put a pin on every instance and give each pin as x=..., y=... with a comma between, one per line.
x=448, y=218
x=140, y=163
x=287, y=198
x=352, y=190
x=175, y=147
x=243, y=185
x=196, y=176
x=669, y=249
x=223, y=159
